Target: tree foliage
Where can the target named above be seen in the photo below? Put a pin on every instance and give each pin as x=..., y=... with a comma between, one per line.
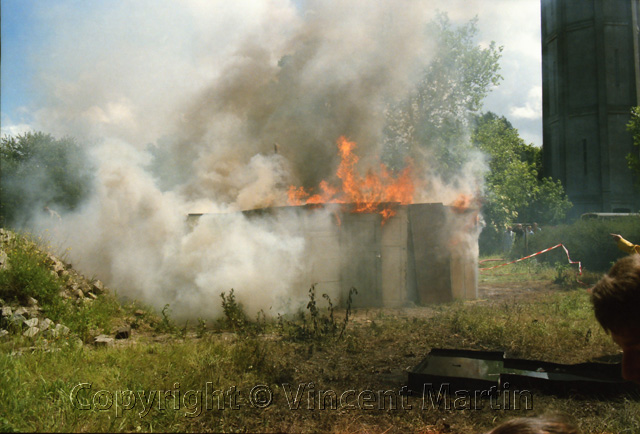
x=514, y=191
x=632, y=158
x=436, y=115
x=40, y=171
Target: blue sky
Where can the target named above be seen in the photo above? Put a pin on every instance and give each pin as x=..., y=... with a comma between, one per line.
x=29, y=26
x=20, y=30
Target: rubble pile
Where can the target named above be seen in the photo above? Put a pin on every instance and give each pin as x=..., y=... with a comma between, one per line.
x=28, y=319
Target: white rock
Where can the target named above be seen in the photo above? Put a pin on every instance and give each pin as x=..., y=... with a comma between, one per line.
x=45, y=324
x=4, y=260
x=31, y=332
x=62, y=329
x=20, y=311
x=98, y=287
x=33, y=322
x=103, y=341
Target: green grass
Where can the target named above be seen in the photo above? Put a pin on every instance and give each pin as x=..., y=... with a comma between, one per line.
x=535, y=270
x=524, y=271
x=541, y=328
x=28, y=275
x=36, y=386
x=554, y=323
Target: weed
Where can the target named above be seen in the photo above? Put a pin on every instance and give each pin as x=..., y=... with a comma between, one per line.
x=202, y=328
x=352, y=291
x=317, y=326
x=313, y=309
x=233, y=312
x=330, y=323
x=27, y=275
x=565, y=276
x=166, y=325
x=86, y=319
x=183, y=330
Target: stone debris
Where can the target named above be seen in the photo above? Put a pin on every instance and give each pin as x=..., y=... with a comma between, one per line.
x=4, y=260
x=45, y=324
x=33, y=322
x=34, y=312
x=97, y=287
x=31, y=332
x=21, y=311
x=123, y=332
x=28, y=319
x=103, y=341
x=17, y=320
x=62, y=330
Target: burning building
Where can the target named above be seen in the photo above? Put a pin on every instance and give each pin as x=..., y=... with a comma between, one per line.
x=414, y=257
x=375, y=239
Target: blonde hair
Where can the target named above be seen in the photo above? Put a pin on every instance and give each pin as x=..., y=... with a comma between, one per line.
x=616, y=297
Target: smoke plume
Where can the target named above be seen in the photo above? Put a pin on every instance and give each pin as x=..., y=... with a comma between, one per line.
x=217, y=107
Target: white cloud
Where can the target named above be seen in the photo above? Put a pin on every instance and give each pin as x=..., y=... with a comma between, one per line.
x=515, y=25
x=532, y=109
x=11, y=128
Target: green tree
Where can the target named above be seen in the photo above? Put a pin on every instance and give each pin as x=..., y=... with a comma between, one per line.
x=436, y=115
x=634, y=128
x=40, y=171
x=513, y=191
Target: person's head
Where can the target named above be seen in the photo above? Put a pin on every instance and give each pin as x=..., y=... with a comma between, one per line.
x=536, y=425
x=616, y=303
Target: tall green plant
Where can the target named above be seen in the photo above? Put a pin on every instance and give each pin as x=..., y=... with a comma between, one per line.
x=514, y=191
x=436, y=114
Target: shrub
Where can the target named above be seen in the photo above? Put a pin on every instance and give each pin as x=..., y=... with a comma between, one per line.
x=27, y=275
x=588, y=241
x=233, y=312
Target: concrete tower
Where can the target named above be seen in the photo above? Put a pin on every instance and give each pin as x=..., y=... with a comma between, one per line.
x=590, y=81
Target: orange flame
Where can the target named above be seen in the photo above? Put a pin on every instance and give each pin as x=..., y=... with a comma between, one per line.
x=462, y=203
x=465, y=202
x=368, y=192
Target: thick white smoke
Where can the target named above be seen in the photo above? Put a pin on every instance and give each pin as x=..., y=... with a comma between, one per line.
x=217, y=107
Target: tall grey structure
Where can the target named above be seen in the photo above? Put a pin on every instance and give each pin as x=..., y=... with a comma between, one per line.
x=590, y=81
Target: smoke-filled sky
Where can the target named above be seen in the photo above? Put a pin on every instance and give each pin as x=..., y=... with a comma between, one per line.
x=217, y=106
x=50, y=39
